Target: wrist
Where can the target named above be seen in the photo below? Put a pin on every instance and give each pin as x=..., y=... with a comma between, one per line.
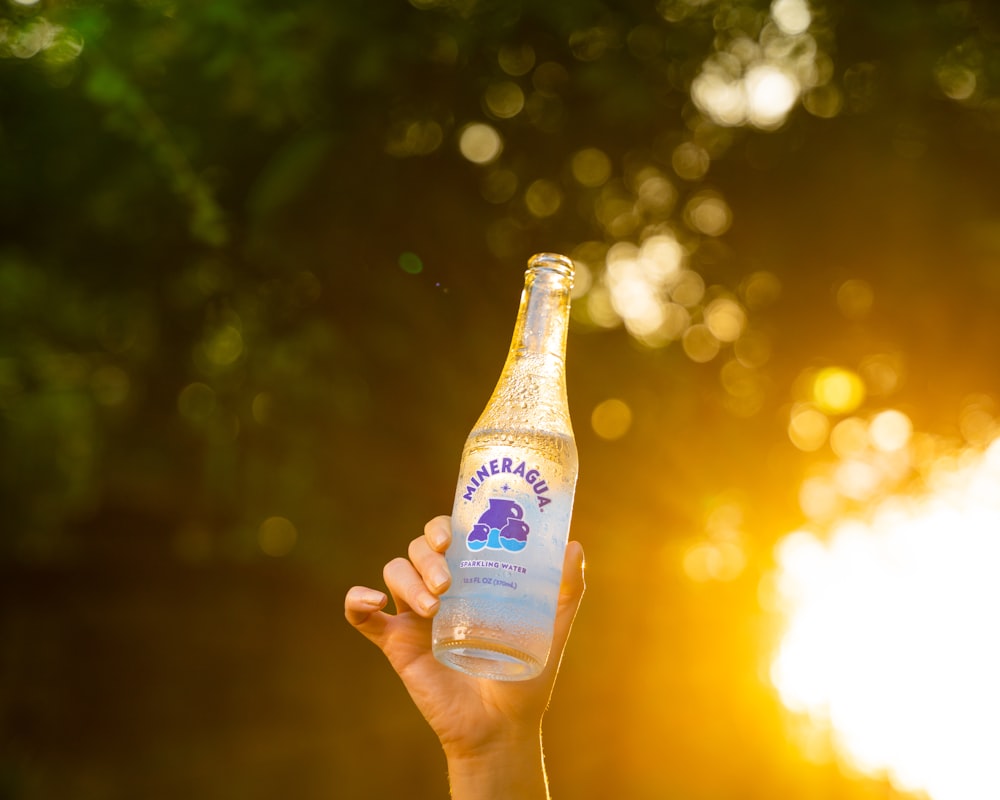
x=499, y=769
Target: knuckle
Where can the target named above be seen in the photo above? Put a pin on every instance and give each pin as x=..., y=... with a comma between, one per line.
x=393, y=568
x=415, y=549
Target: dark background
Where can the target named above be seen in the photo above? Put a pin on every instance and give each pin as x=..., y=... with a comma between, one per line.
x=246, y=273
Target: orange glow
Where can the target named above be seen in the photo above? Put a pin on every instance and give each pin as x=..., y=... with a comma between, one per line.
x=891, y=646
x=855, y=298
x=700, y=343
x=726, y=319
x=808, y=428
x=849, y=437
x=874, y=454
x=890, y=430
x=720, y=561
x=708, y=213
x=611, y=419
x=837, y=390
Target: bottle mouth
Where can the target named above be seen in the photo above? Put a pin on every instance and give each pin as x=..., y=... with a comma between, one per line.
x=552, y=262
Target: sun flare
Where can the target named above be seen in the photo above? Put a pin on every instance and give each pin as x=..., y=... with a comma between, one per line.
x=892, y=642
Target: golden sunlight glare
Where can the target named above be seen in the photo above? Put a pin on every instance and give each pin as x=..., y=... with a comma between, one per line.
x=892, y=645
x=771, y=93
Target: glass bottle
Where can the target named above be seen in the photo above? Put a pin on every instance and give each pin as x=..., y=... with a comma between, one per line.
x=514, y=500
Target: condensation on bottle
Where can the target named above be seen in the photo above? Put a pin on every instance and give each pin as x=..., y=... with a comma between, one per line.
x=514, y=497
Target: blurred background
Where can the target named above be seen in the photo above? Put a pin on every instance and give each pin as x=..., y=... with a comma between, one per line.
x=259, y=268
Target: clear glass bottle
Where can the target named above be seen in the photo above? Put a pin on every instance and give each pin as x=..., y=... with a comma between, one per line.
x=514, y=500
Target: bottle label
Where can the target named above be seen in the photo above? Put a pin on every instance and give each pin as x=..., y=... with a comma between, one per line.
x=510, y=522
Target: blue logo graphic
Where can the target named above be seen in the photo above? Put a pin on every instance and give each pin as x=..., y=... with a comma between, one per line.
x=500, y=527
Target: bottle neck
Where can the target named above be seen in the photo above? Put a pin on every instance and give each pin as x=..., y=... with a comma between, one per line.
x=531, y=392
x=543, y=318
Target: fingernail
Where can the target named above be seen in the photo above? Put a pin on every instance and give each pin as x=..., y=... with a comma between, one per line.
x=428, y=603
x=373, y=599
x=439, y=577
x=438, y=539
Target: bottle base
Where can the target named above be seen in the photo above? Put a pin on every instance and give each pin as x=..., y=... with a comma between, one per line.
x=485, y=659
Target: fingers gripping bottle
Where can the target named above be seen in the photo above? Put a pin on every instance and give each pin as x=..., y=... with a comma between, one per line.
x=514, y=499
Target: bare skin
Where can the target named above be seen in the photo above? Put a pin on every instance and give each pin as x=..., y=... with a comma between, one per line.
x=490, y=730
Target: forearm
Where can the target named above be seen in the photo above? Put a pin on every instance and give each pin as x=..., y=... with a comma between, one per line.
x=509, y=770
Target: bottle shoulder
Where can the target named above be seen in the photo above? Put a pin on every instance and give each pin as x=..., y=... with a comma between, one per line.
x=530, y=395
x=555, y=446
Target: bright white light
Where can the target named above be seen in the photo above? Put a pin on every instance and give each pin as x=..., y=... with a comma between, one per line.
x=721, y=98
x=662, y=257
x=763, y=96
x=890, y=430
x=637, y=279
x=892, y=641
x=771, y=93
x=792, y=16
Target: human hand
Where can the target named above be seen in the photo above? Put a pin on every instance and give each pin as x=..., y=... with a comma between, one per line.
x=478, y=721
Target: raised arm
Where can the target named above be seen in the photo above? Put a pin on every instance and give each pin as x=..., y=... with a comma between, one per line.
x=490, y=731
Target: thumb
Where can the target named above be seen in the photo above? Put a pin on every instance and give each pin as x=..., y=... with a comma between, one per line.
x=570, y=594
x=363, y=609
